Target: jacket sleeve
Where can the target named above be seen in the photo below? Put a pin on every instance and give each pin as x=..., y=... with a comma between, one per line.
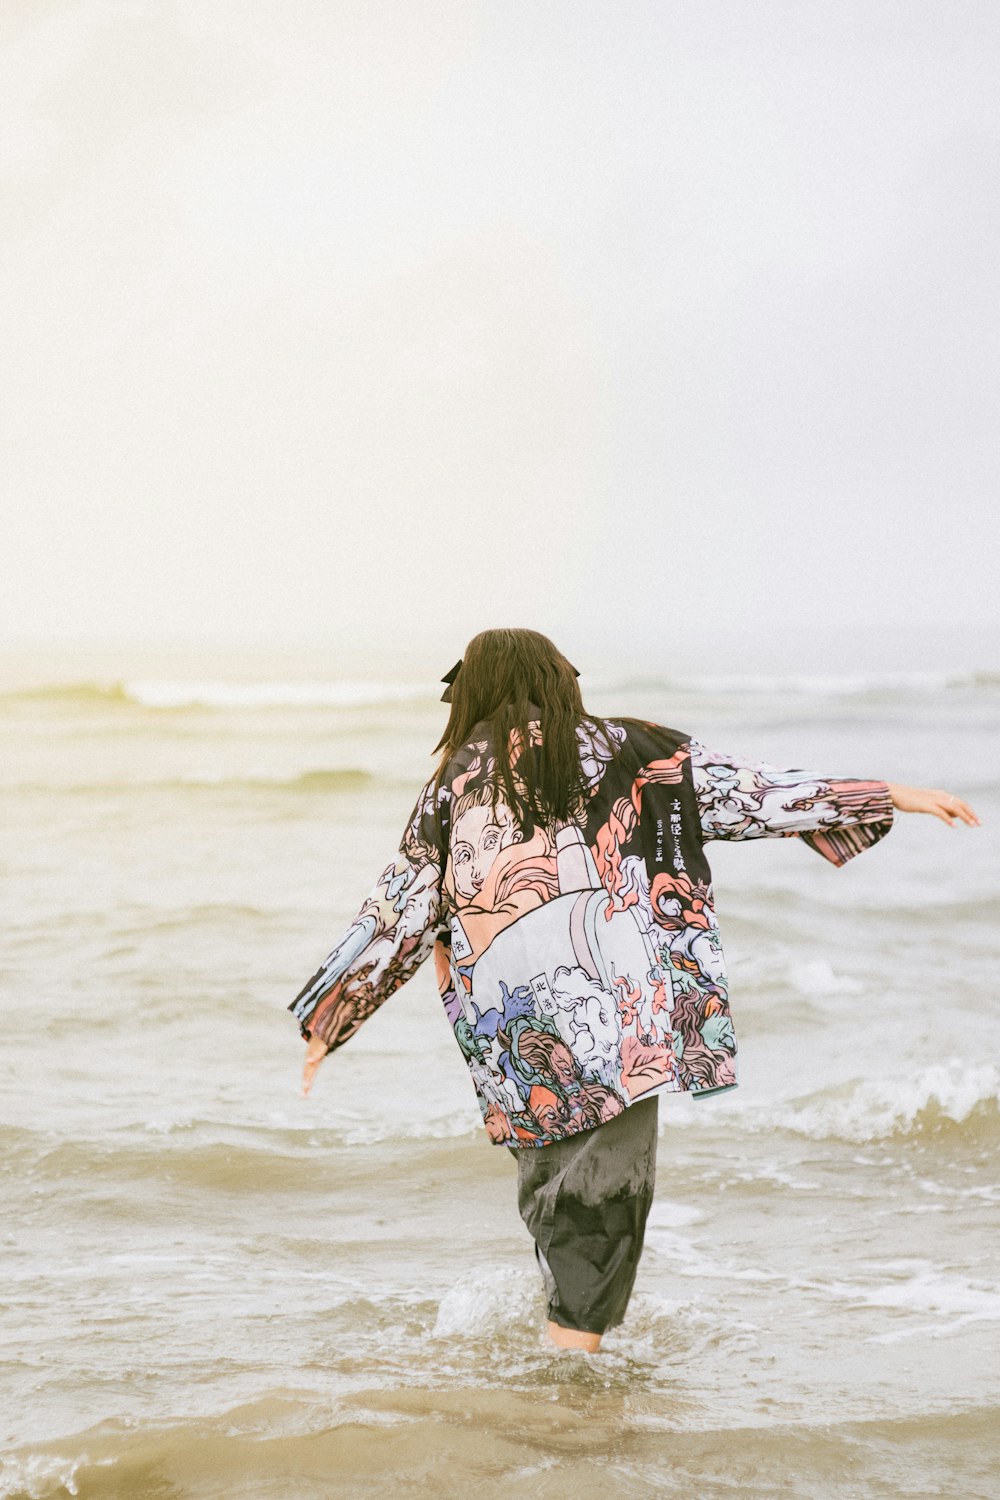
x=389, y=938
x=744, y=799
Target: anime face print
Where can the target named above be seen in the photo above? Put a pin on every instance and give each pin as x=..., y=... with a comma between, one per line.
x=595, y=752
x=549, y=1110
x=480, y=833
x=602, y=1103
x=563, y=1069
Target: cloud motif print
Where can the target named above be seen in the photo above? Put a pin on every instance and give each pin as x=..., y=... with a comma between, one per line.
x=579, y=963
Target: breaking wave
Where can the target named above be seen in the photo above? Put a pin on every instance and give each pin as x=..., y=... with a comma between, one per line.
x=953, y=1099
x=216, y=693
x=813, y=685
x=171, y=693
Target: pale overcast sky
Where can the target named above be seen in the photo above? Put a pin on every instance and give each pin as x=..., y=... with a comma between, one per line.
x=376, y=323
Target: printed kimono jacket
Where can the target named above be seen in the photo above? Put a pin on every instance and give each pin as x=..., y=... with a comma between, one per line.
x=579, y=964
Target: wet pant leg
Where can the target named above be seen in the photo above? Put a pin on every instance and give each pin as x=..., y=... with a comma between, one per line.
x=585, y=1201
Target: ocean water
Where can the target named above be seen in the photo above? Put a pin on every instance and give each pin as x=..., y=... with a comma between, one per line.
x=214, y=1288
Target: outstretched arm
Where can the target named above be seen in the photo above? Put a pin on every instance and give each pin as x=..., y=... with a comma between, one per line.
x=740, y=798
x=386, y=943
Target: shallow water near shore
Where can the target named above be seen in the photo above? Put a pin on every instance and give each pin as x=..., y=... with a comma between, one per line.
x=212, y=1287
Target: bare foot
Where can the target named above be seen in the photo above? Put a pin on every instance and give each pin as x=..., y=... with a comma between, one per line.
x=574, y=1338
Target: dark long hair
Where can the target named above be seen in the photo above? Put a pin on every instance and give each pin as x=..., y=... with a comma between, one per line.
x=504, y=674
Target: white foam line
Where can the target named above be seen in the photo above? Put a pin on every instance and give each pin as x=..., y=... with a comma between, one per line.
x=170, y=693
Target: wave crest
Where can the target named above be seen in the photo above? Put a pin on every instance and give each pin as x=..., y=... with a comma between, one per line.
x=946, y=1098
x=812, y=684
x=171, y=693
x=165, y=693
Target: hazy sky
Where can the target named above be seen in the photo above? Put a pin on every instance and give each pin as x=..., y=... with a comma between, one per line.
x=373, y=323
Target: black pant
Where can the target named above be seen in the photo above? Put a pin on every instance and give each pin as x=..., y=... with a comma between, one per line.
x=585, y=1201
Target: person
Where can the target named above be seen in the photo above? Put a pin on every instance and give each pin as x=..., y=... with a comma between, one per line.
x=554, y=865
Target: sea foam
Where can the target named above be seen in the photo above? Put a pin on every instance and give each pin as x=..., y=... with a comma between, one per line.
x=919, y=1289
x=177, y=692
x=167, y=693
x=173, y=693
x=952, y=1094
x=488, y=1301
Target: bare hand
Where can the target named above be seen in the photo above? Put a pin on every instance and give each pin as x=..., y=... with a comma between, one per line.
x=315, y=1053
x=943, y=805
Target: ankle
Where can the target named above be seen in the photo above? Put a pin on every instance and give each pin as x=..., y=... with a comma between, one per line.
x=574, y=1338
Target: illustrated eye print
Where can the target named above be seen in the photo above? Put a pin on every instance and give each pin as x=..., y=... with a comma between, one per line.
x=491, y=837
x=462, y=854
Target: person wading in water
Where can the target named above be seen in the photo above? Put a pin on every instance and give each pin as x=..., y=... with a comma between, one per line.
x=555, y=867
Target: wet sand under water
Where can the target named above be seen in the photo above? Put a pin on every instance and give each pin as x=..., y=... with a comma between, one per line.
x=566, y=1437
